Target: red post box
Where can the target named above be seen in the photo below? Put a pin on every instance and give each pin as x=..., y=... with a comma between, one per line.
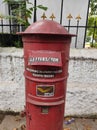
x=46, y=55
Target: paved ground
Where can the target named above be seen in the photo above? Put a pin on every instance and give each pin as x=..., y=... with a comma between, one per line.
x=10, y=122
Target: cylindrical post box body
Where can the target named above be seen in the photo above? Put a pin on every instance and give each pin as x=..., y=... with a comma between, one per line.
x=46, y=56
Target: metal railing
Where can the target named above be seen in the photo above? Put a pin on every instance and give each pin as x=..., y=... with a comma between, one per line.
x=13, y=28
x=6, y=27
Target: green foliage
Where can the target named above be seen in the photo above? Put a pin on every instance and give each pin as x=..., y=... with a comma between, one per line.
x=92, y=23
x=93, y=7
x=10, y=40
x=88, y=39
x=94, y=45
x=22, y=14
x=18, y=44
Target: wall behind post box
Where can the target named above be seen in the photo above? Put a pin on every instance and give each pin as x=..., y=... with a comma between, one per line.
x=81, y=88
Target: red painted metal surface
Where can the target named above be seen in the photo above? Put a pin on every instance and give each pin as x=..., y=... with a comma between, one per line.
x=46, y=27
x=46, y=56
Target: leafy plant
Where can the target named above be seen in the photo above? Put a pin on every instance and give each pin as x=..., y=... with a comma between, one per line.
x=24, y=11
x=93, y=7
x=92, y=23
x=18, y=44
x=93, y=45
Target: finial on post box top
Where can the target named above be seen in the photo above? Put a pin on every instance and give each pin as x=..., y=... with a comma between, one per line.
x=52, y=16
x=78, y=17
x=69, y=17
x=43, y=16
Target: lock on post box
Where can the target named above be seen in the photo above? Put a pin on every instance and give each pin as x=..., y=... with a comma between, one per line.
x=46, y=55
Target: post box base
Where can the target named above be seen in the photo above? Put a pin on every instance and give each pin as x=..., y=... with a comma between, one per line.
x=45, y=117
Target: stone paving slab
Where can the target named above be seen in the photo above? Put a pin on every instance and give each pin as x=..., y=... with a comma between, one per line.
x=10, y=122
x=82, y=124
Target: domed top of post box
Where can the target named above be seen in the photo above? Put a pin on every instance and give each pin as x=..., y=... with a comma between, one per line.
x=46, y=27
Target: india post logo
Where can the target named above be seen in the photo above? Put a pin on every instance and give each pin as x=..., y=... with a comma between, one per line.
x=45, y=90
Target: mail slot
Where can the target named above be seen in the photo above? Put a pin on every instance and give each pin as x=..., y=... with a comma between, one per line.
x=46, y=55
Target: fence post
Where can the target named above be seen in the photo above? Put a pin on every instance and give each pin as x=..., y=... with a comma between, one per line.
x=69, y=17
x=93, y=33
x=35, y=3
x=61, y=12
x=2, y=24
x=86, y=23
x=1, y=17
x=78, y=19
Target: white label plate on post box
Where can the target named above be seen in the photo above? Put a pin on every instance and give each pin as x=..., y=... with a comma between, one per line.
x=49, y=58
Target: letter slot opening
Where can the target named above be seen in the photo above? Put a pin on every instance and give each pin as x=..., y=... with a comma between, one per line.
x=44, y=109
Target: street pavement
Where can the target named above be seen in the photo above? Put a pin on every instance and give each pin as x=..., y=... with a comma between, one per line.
x=16, y=122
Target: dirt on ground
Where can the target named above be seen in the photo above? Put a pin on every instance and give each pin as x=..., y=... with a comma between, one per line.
x=1, y=117
x=16, y=122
